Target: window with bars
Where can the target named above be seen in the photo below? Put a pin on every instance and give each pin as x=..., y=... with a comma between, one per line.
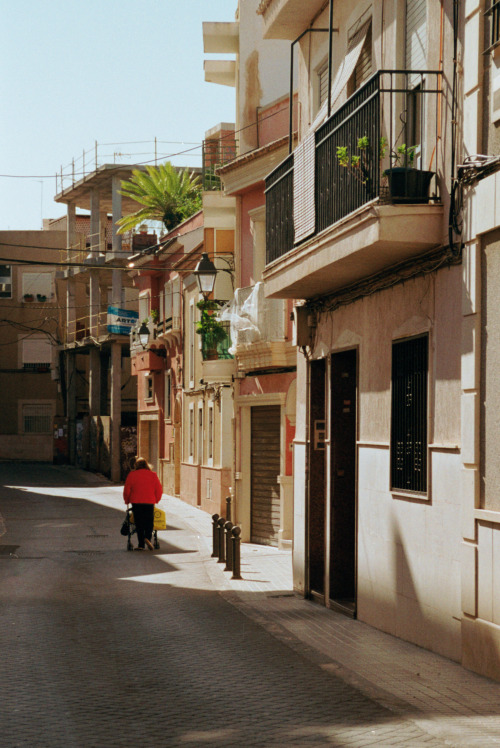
x=37, y=418
x=409, y=414
x=493, y=18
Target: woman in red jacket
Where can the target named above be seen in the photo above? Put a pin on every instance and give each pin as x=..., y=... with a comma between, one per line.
x=143, y=490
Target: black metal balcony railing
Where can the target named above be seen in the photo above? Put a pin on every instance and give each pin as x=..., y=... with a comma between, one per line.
x=386, y=124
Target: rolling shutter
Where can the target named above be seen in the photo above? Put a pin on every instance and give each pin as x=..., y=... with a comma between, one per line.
x=265, y=469
x=416, y=35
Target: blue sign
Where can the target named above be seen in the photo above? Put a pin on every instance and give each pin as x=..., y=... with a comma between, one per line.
x=121, y=321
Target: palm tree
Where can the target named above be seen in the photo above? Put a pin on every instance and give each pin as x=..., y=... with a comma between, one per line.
x=167, y=194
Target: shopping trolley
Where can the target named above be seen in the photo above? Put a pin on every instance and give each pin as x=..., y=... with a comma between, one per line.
x=160, y=523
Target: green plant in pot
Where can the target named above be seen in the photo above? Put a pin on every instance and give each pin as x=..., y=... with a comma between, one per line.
x=211, y=330
x=359, y=164
x=155, y=315
x=406, y=183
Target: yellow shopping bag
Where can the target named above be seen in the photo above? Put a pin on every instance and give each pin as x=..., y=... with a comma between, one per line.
x=160, y=519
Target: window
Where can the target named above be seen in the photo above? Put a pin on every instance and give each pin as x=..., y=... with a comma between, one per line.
x=148, y=388
x=38, y=284
x=168, y=304
x=409, y=414
x=143, y=307
x=200, y=435
x=210, y=439
x=37, y=418
x=493, y=16
x=5, y=282
x=322, y=84
x=191, y=433
x=168, y=395
x=36, y=353
x=363, y=63
x=191, y=343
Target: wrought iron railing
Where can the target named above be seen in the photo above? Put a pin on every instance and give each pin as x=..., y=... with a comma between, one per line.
x=378, y=145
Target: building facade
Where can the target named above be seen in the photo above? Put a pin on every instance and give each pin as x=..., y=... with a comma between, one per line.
x=31, y=333
x=357, y=221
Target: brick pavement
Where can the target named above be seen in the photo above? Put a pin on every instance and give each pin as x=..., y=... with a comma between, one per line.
x=250, y=666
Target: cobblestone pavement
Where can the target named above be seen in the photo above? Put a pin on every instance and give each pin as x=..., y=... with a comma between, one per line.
x=101, y=647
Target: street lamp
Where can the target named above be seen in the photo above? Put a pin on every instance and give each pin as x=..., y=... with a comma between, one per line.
x=144, y=340
x=144, y=335
x=205, y=273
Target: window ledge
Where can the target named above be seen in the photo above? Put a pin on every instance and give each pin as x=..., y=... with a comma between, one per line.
x=398, y=493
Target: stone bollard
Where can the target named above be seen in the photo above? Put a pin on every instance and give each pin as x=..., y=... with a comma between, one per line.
x=222, y=550
x=236, y=541
x=215, y=536
x=228, y=509
x=229, y=546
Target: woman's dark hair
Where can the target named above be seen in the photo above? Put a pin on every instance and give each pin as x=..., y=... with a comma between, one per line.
x=141, y=464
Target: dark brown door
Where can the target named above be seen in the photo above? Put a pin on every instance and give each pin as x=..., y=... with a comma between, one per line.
x=265, y=470
x=316, y=518
x=343, y=481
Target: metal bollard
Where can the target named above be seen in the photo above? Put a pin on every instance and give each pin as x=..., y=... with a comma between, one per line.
x=236, y=541
x=215, y=536
x=222, y=550
x=229, y=546
x=228, y=508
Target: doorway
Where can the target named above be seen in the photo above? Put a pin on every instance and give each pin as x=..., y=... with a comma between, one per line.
x=265, y=456
x=343, y=476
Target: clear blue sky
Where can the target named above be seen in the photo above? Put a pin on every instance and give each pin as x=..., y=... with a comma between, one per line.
x=111, y=71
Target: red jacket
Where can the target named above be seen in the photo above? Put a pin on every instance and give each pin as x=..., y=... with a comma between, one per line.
x=142, y=487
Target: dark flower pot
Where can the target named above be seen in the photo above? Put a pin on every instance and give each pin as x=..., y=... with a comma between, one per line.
x=409, y=185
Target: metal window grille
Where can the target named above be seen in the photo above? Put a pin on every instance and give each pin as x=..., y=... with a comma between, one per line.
x=493, y=13
x=409, y=414
x=37, y=419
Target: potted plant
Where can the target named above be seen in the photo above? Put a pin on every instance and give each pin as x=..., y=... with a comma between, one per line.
x=358, y=164
x=41, y=297
x=28, y=297
x=155, y=315
x=211, y=330
x=406, y=183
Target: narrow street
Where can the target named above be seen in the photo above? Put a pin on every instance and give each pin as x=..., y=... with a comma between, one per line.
x=103, y=647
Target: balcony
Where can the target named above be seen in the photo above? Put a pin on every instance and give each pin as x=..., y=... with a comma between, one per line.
x=363, y=210
x=258, y=329
x=286, y=19
x=213, y=348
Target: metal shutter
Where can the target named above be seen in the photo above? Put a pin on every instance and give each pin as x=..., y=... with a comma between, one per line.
x=265, y=469
x=363, y=68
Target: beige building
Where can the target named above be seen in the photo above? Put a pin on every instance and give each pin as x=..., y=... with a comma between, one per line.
x=357, y=233
x=478, y=183
x=30, y=335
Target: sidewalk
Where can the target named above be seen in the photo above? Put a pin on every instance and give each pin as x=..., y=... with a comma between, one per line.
x=452, y=703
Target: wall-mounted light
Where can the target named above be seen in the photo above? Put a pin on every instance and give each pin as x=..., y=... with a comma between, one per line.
x=205, y=273
x=144, y=340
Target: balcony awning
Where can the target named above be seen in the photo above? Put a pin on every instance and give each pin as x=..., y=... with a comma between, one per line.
x=304, y=212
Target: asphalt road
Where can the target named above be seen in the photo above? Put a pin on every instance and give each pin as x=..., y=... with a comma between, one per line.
x=104, y=647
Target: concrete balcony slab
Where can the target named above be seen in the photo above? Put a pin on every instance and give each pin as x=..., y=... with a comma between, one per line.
x=365, y=242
